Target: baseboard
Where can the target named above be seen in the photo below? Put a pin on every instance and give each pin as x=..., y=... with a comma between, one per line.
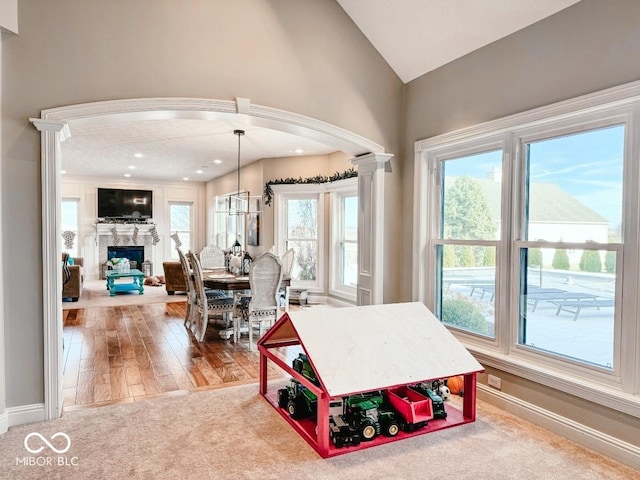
x=4, y=422
x=25, y=414
x=588, y=437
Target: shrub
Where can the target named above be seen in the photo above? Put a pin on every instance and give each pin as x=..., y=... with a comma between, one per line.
x=560, y=260
x=466, y=257
x=534, y=257
x=489, y=259
x=590, y=261
x=461, y=313
x=610, y=262
x=448, y=257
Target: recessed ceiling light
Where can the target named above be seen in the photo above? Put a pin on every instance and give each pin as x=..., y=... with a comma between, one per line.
x=198, y=171
x=217, y=161
x=127, y=175
x=185, y=178
x=138, y=155
x=299, y=151
x=132, y=167
x=63, y=171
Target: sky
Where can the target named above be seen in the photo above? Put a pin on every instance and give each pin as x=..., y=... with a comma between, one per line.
x=587, y=165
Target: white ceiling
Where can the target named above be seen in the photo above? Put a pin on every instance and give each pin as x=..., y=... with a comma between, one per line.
x=414, y=37
x=417, y=36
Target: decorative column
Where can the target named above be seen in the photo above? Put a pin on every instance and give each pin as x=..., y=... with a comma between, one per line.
x=52, y=134
x=371, y=169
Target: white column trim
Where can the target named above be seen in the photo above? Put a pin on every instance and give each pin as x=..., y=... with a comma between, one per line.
x=52, y=133
x=371, y=168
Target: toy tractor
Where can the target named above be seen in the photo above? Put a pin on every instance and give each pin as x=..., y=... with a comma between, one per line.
x=299, y=401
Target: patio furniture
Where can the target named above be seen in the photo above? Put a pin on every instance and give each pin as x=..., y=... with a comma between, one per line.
x=575, y=306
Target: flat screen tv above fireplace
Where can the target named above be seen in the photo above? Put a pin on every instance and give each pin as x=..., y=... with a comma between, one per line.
x=125, y=204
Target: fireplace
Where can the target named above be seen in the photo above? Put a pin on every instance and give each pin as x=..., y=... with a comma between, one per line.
x=133, y=252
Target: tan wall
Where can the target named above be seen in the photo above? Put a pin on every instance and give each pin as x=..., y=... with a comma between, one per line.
x=587, y=47
x=305, y=57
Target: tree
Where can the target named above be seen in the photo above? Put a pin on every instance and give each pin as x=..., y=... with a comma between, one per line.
x=466, y=212
x=560, y=260
x=467, y=216
x=590, y=261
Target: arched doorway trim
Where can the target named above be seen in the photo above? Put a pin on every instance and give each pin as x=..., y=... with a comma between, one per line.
x=56, y=124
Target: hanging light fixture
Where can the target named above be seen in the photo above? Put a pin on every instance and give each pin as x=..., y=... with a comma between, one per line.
x=241, y=202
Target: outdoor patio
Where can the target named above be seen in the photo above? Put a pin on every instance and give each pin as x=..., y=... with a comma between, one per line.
x=567, y=313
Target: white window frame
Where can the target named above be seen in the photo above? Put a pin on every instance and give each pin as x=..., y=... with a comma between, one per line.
x=619, y=105
x=283, y=193
x=174, y=252
x=338, y=191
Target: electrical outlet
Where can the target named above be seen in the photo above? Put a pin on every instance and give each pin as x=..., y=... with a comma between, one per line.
x=495, y=382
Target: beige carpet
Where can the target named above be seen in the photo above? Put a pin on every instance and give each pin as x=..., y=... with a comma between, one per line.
x=95, y=294
x=232, y=433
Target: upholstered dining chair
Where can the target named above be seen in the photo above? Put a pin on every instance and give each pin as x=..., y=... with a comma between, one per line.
x=212, y=257
x=261, y=308
x=206, y=307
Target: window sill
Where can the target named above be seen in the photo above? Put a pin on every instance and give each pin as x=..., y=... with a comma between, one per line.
x=599, y=393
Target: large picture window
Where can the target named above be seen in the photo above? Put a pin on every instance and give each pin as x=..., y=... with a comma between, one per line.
x=526, y=244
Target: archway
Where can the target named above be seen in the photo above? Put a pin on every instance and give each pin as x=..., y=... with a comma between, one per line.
x=56, y=125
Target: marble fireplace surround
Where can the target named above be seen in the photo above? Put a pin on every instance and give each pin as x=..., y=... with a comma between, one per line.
x=105, y=238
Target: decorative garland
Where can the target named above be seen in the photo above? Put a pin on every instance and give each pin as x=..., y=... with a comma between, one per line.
x=268, y=192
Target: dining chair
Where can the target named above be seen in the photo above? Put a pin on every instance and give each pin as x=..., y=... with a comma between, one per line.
x=287, y=266
x=212, y=257
x=206, y=307
x=261, y=307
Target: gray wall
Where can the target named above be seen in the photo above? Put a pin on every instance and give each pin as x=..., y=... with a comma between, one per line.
x=305, y=57
x=585, y=48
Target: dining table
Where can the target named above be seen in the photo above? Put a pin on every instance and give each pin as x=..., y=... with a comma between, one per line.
x=229, y=282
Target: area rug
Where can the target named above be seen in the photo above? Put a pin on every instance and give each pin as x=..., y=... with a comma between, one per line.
x=233, y=433
x=95, y=294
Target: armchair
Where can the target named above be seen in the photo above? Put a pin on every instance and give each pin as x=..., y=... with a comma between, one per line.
x=72, y=287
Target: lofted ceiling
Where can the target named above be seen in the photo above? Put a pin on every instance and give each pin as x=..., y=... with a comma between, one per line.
x=413, y=36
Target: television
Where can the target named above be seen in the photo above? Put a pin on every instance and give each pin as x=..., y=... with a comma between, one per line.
x=125, y=204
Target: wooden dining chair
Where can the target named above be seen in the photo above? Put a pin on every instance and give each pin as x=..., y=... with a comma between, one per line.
x=261, y=308
x=206, y=307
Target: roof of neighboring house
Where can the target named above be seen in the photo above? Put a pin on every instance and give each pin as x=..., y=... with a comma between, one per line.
x=549, y=204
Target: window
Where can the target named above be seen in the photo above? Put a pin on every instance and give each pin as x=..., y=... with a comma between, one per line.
x=300, y=225
x=344, y=241
x=571, y=217
x=180, y=218
x=469, y=233
x=69, y=210
x=228, y=228
x=302, y=235
x=526, y=243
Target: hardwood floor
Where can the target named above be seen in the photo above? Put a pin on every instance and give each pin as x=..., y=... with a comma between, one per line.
x=130, y=353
